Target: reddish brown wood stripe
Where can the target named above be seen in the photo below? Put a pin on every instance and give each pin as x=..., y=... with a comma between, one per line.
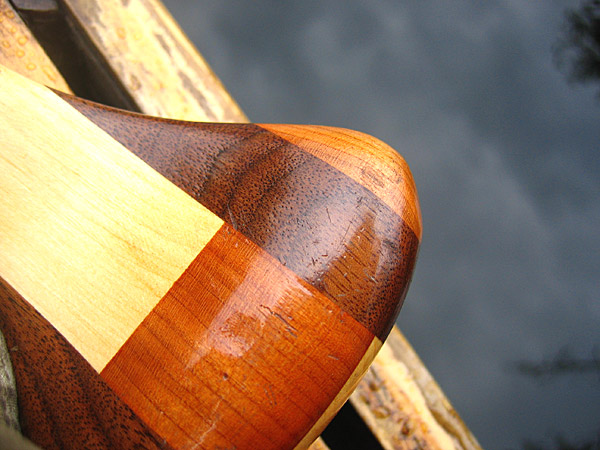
x=239, y=351
x=63, y=401
x=327, y=228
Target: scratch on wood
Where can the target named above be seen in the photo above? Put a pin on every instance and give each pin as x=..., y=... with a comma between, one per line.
x=288, y=326
x=231, y=218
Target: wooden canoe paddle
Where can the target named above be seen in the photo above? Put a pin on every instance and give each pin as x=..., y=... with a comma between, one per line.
x=168, y=284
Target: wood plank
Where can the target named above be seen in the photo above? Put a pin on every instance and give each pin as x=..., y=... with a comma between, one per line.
x=154, y=60
x=20, y=51
x=403, y=405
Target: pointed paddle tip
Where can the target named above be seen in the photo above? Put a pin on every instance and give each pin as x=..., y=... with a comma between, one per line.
x=269, y=319
x=366, y=159
x=384, y=247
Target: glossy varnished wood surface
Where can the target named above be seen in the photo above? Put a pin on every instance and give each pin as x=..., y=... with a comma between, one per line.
x=64, y=402
x=258, y=352
x=70, y=192
x=18, y=53
x=279, y=311
x=13, y=55
x=325, y=226
x=367, y=160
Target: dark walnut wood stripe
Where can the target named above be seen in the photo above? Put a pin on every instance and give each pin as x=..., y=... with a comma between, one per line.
x=326, y=227
x=240, y=353
x=63, y=401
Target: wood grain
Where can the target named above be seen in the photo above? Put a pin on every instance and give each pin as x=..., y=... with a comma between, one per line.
x=20, y=51
x=365, y=159
x=154, y=60
x=69, y=191
x=341, y=397
x=64, y=403
x=435, y=398
x=259, y=338
x=331, y=230
x=239, y=351
x=403, y=405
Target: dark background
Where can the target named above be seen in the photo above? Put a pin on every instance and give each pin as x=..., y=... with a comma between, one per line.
x=504, y=152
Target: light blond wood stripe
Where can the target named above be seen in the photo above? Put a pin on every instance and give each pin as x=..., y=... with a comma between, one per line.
x=89, y=234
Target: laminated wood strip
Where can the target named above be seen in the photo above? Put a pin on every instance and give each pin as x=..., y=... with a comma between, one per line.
x=240, y=350
x=435, y=398
x=86, y=225
x=64, y=403
x=376, y=166
x=330, y=229
x=55, y=379
x=167, y=300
